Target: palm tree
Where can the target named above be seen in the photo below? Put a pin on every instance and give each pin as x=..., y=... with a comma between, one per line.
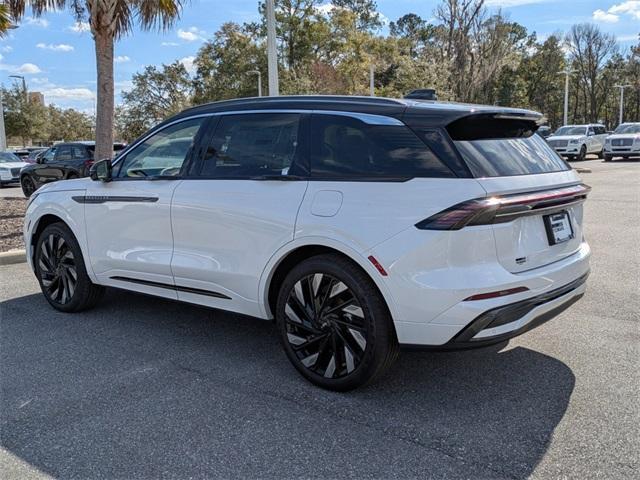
x=5, y=20
x=109, y=20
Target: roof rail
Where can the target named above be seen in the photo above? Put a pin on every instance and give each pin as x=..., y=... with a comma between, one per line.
x=316, y=98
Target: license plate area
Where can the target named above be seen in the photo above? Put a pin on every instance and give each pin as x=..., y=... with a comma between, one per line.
x=559, y=228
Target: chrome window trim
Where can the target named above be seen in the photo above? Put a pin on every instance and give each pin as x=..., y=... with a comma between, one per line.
x=368, y=118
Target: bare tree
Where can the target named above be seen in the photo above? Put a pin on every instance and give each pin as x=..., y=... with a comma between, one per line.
x=589, y=49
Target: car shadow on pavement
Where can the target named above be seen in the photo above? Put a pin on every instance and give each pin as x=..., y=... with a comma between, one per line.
x=141, y=388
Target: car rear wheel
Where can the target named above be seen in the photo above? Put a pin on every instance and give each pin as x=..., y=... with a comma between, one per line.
x=28, y=185
x=334, y=324
x=61, y=271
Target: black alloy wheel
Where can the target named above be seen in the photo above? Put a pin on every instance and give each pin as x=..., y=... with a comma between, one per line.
x=28, y=185
x=325, y=326
x=334, y=324
x=61, y=272
x=58, y=270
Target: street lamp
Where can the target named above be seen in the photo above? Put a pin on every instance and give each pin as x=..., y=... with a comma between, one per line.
x=622, y=87
x=3, y=136
x=24, y=84
x=566, y=74
x=259, y=74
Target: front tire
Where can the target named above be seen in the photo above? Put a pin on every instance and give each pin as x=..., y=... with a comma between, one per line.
x=608, y=158
x=61, y=271
x=28, y=185
x=334, y=324
x=583, y=153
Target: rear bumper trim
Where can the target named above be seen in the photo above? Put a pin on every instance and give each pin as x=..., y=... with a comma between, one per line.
x=507, y=314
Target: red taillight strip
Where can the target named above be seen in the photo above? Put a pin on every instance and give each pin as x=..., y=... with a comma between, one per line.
x=499, y=293
x=484, y=211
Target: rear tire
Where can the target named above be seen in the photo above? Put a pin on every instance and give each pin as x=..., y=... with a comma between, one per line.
x=334, y=325
x=61, y=271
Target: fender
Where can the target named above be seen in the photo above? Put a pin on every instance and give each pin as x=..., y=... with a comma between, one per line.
x=276, y=258
x=59, y=204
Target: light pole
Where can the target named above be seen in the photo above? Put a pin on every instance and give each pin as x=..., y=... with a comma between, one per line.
x=372, y=91
x=272, y=54
x=621, y=87
x=566, y=74
x=3, y=135
x=257, y=72
x=24, y=83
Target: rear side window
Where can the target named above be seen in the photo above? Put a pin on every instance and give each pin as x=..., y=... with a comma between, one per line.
x=252, y=145
x=345, y=147
x=64, y=154
x=78, y=152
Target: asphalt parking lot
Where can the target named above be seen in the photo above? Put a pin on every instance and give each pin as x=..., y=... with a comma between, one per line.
x=146, y=388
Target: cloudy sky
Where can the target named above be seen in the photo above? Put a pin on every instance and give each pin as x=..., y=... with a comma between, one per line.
x=56, y=55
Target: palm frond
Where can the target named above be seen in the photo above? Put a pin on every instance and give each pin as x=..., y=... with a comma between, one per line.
x=158, y=14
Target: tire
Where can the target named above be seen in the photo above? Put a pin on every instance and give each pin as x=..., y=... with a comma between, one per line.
x=339, y=350
x=71, y=176
x=58, y=260
x=583, y=153
x=608, y=158
x=600, y=154
x=28, y=185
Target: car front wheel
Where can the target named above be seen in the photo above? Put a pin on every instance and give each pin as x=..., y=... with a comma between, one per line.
x=334, y=324
x=28, y=185
x=61, y=271
x=583, y=153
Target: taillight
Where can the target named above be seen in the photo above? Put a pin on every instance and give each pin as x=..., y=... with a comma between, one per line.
x=500, y=209
x=88, y=163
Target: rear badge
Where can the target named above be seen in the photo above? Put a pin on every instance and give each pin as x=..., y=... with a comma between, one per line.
x=521, y=260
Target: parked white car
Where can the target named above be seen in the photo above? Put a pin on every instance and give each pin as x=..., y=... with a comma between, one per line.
x=577, y=141
x=623, y=142
x=360, y=224
x=10, y=166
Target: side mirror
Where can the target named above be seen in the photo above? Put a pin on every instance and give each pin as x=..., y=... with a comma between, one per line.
x=40, y=160
x=590, y=134
x=101, y=171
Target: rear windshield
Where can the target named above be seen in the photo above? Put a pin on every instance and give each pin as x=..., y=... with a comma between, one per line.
x=499, y=157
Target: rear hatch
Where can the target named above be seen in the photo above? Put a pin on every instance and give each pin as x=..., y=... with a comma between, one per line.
x=537, y=198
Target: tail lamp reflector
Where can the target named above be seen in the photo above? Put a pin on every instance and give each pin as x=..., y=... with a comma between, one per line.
x=378, y=266
x=499, y=293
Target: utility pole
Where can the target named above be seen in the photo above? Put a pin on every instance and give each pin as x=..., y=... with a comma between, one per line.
x=272, y=54
x=622, y=87
x=3, y=136
x=259, y=74
x=566, y=74
x=372, y=91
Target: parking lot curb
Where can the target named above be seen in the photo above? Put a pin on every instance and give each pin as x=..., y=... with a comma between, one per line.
x=582, y=170
x=13, y=256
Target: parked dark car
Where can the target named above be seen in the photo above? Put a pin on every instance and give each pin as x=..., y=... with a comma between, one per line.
x=60, y=162
x=545, y=131
x=422, y=94
x=33, y=155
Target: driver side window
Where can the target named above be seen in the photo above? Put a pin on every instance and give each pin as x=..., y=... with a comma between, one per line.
x=163, y=153
x=49, y=155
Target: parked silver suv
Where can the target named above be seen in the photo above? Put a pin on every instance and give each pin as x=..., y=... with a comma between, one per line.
x=577, y=141
x=624, y=142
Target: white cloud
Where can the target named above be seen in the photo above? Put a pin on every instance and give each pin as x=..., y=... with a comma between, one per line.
x=61, y=47
x=602, y=16
x=122, y=59
x=80, y=27
x=169, y=44
x=61, y=93
x=192, y=34
x=631, y=7
x=627, y=38
x=36, y=22
x=27, y=68
x=188, y=63
x=6, y=48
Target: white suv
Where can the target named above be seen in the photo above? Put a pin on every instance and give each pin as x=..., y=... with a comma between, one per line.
x=577, y=141
x=623, y=142
x=360, y=224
